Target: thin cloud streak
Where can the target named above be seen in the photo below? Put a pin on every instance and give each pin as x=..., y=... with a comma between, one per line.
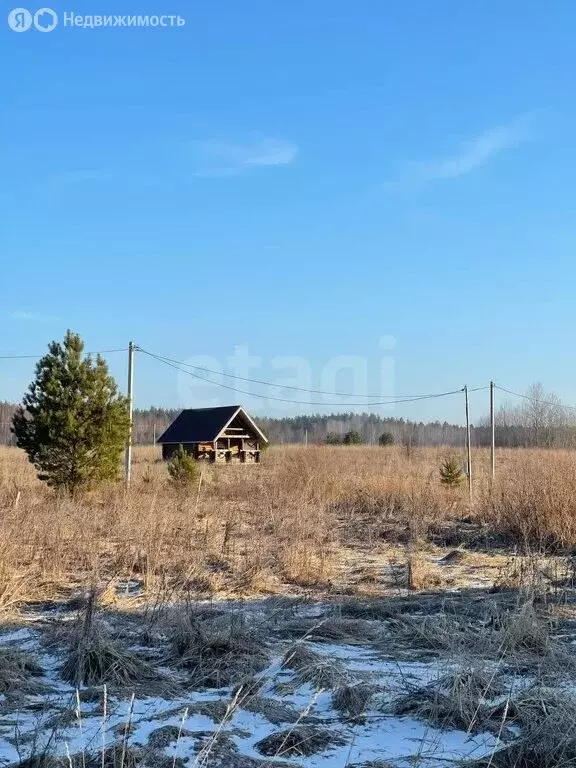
x=222, y=158
x=475, y=153
x=472, y=155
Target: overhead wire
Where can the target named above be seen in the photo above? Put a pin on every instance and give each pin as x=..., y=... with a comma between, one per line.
x=410, y=399
x=166, y=359
x=182, y=365
x=38, y=357
x=535, y=399
x=271, y=383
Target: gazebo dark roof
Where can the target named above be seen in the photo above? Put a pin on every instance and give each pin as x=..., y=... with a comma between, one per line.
x=203, y=425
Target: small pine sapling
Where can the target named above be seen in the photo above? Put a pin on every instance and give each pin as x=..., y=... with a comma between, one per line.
x=182, y=467
x=450, y=473
x=353, y=437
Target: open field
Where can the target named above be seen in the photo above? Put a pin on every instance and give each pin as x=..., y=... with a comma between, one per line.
x=329, y=607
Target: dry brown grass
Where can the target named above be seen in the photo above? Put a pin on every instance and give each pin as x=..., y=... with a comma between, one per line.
x=291, y=524
x=16, y=670
x=546, y=740
x=99, y=659
x=218, y=651
x=311, y=667
x=299, y=741
x=352, y=700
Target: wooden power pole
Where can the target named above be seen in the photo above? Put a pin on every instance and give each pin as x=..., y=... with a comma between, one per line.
x=130, y=393
x=492, y=433
x=468, y=445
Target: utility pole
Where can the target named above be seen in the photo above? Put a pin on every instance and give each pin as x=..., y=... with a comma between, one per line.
x=492, y=433
x=306, y=436
x=128, y=463
x=468, y=446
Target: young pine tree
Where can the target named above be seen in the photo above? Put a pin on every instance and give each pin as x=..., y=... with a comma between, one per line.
x=450, y=473
x=72, y=422
x=182, y=468
x=353, y=437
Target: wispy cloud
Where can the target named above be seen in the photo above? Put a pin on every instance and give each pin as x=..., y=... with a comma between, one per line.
x=471, y=155
x=33, y=317
x=224, y=158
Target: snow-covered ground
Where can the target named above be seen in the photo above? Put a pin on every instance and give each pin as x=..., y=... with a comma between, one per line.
x=173, y=722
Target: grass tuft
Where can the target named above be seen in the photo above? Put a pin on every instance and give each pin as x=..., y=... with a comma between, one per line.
x=95, y=659
x=299, y=741
x=219, y=651
x=457, y=700
x=314, y=668
x=352, y=700
x=16, y=670
x=333, y=630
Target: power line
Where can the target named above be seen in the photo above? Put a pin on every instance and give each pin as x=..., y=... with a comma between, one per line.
x=388, y=399
x=169, y=360
x=267, y=383
x=38, y=357
x=534, y=399
x=287, y=400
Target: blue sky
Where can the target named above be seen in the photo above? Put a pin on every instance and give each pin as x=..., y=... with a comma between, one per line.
x=297, y=180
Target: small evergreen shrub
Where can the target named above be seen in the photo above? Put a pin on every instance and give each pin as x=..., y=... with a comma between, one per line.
x=182, y=467
x=450, y=473
x=353, y=438
x=386, y=438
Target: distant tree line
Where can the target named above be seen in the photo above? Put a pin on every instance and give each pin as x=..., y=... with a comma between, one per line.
x=540, y=421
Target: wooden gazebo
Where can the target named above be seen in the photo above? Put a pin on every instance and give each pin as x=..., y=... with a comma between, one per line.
x=223, y=434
